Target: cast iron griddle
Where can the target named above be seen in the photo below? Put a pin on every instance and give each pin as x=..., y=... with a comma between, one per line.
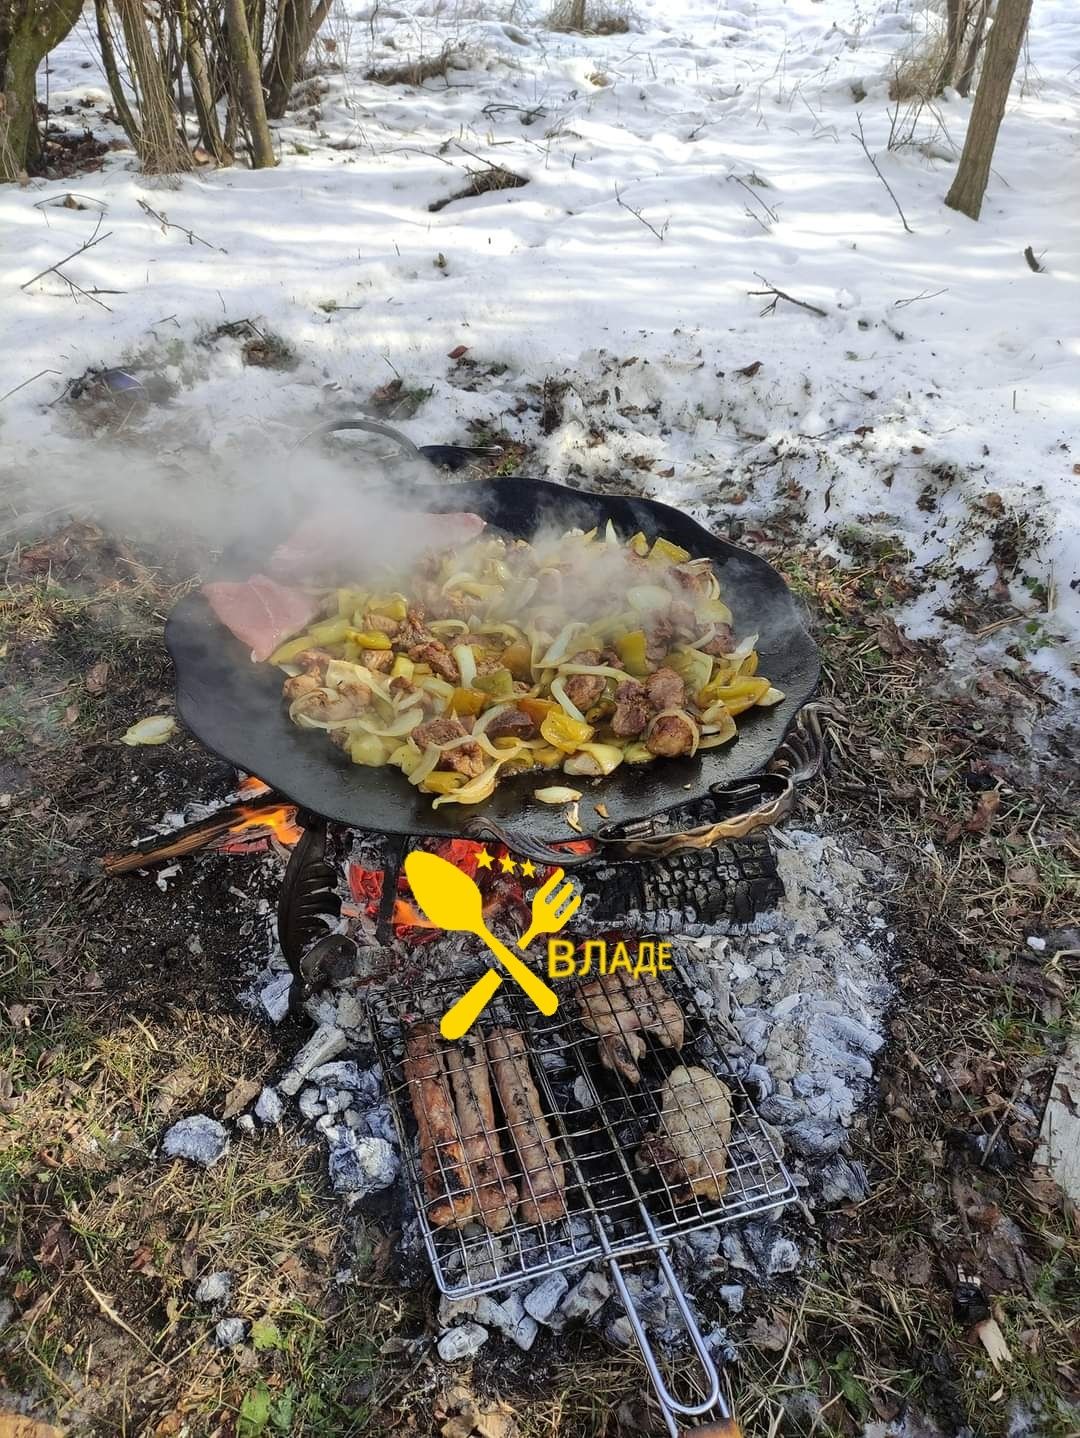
x=235, y=707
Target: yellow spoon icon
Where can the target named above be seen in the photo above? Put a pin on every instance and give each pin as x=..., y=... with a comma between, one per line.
x=451, y=900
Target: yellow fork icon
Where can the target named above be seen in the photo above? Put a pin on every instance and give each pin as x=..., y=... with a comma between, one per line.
x=452, y=900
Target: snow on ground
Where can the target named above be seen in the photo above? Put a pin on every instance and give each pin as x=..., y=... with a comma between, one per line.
x=936, y=399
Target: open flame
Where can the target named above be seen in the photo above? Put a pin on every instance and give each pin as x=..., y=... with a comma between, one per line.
x=258, y=824
x=252, y=787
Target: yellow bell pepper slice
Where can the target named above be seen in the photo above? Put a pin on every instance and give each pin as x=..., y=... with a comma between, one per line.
x=670, y=553
x=467, y=701
x=564, y=732
x=441, y=781
x=369, y=638
x=631, y=650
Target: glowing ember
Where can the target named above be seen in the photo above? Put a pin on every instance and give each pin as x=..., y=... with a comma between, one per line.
x=252, y=787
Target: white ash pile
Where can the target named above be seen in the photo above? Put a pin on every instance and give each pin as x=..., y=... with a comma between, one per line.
x=797, y=1002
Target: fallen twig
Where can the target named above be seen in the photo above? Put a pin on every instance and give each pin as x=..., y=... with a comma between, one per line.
x=167, y=224
x=33, y=377
x=95, y=239
x=783, y=295
x=925, y=295
x=755, y=197
x=639, y=216
x=1033, y=263
x=862, y=141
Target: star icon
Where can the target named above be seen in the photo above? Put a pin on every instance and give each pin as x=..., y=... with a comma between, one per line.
x=528, y=868
x=484, y=860
x=507, y=864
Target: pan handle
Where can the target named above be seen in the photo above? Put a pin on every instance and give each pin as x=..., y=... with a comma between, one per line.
x=668, y=1402
x=370, y=426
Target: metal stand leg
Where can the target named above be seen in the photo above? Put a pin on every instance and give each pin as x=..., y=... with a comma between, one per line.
x=398, y=847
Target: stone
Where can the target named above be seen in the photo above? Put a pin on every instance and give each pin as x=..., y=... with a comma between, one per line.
x=269, y=1108
x=462, y=1342
x=542, y=1302
x=324, y=1044
x=453, y=1309
x=619, y=1332
x=783, y=1257
x=512, y=1321
x=214, y=1287
x=814, y=1138
x=587, y=1298
x=732, y=1296
x=199, y=1138
x=360, y=1165
x=229, y=1332
x=246, y=1123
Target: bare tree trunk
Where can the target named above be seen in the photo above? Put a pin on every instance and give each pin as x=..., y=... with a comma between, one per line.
x=576, y=19
x=246, y=69
x=160, y=148
x=978, y=34
x=112, y=72
x=988, y=108
x=294, y=30
x=29, y=29
x=201, y=89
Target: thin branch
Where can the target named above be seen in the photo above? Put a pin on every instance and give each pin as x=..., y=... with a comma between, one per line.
x=25, y=382
x=862, y=141
x=771, y=289
x=167, y=224
x=639, y=216
x=925, y=295
x=95, y=239
x=757, y=198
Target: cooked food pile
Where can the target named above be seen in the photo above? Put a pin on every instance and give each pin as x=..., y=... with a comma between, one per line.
x=576, y=652
x=486, y=1148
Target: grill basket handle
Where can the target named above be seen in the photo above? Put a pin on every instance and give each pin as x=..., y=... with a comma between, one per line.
x=668, y=1402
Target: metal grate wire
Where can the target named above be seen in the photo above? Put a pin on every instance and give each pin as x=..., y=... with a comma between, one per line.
x=597, y=1119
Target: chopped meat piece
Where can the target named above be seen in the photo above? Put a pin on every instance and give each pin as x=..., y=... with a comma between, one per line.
x=585, y=689
x=632, y=711
x=298, y=684
x=665, y=689
x=693, y=576
x=722, y=642
x=379, y=660
x=357, y=692
x=312, y=661
x=672, y=734
x=690, y=1144
x=328, y=705
x=514, y=723
x=438, y=658
x=489, y=664
x=414, y=631
x=659, y=632
x=261, y=613
x=403, y=686
x=465, y=759
x=380, y=623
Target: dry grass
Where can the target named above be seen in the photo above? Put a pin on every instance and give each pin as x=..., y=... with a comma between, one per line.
x=597, y=17
x=415, y=72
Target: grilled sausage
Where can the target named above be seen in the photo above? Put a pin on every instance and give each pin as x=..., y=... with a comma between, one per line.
x=494, y=1190
x=543, y=1183
x=442, y=1158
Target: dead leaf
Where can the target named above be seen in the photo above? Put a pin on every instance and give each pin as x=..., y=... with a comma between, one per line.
x=97, y=678
x=666, y=473
x=7, y=906
x=55, y=1250
x=993, y=1340
x=174, y=1086
x=14, y=1425
x=986, y=807
x=750, y=370
x=240, y=1095
x=457, y=352
x=891, y=639
x=919, y=753
x=771, y=1335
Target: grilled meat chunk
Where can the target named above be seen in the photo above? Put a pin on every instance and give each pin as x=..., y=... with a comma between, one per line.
x=665, y=689
x=671, y=735
x=379, y=661
x=465, y=759
x=297, y=684
x=543, y=1182
x=494, y=1190
x=689, y=1146
x=438, y=658
x=380, y=623
x=515, y=724
x=619, y=1013
x=442, y=1159
x=722, y=642
x=632, y=711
